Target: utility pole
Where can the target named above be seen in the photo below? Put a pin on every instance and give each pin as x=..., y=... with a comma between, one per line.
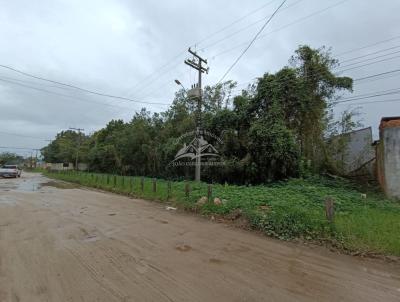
x=196, y=63
x=79, y=144
x=36, y=157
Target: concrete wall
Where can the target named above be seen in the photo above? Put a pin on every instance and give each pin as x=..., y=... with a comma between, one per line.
x=59, y=166
x=353, y=152
x=63, y=166
x=390, y=153
x=82, y=166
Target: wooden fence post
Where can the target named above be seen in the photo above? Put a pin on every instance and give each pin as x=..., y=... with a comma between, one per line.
x=123, y=182
x=115, y=181
x=142, y=184
x=168, y=190
x=330, y=209
x=209, y=192
x=131, y=184
x=187, y=190
x=154, y=185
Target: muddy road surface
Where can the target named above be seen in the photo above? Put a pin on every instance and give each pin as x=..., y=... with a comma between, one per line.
x=62, y=243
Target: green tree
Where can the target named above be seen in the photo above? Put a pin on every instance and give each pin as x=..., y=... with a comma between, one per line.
x=65, y=147
x=10, y=158
x=319, y=90
x=272, y=147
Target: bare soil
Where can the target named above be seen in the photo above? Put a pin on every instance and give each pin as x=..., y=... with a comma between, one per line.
x=61, y=243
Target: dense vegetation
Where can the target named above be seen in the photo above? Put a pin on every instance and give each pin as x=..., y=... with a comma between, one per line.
x=10, y=158
x=275, y=129
x=286, y=210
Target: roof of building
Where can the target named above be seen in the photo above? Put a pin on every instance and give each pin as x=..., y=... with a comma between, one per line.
x=390, y=122
x=389, y=118
x=369, y=129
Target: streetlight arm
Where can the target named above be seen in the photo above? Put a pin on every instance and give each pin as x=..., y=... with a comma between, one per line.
x=180, y=84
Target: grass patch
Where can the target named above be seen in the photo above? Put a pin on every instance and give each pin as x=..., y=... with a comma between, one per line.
x=286, y=210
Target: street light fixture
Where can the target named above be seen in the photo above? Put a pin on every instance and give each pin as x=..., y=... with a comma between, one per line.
x=180, y=84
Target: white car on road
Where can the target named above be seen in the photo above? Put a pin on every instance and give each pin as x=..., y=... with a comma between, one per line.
x=10, y=171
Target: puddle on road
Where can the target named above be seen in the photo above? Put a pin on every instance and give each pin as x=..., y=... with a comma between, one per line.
x=7, y=185
x=27, y=186
x=7, y=201
x=31, y=184
x=59, y=185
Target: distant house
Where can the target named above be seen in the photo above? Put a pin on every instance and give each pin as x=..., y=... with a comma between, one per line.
x=388, y=156
x=59, y=166
x=65, y=166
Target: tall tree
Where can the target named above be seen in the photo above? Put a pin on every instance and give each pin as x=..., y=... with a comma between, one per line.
x=319, y=88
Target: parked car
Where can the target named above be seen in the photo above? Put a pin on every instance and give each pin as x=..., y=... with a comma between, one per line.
x=10, y=171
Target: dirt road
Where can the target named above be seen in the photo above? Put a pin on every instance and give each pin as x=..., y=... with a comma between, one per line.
x=70, y=244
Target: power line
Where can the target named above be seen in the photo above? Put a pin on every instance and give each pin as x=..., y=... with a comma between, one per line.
x=22, y=135
x=150, y=83
x=367, y=46
x=252, y=41
x=18, y=148
x=78, y=88
x=124, y=108
x=367, y=60
x=233, y=23
x=36, y=83
x=389, y=76
x=284, y=26
x=374, y=102
x=366, y=97
x=372, y=76
x=370, y=54
x=376, y=75
x=150, y=76
x=65, y=95
x=162, y=85
x=246, y=27
x=355, y=67
x=374, y=92
x=58, y=94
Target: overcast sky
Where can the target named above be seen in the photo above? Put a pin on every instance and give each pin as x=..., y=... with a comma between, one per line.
x=136, y=49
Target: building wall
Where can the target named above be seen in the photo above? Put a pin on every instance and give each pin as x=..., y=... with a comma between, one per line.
x=360, y=150
x=390, y=140
x=380, y=166
x=59, y=166
x=82, y=167
x=353, y=151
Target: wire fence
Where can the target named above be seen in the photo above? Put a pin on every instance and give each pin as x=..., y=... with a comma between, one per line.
x=141, y=187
